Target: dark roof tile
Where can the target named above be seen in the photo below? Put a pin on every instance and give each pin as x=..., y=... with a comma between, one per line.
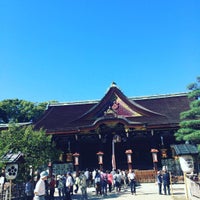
x=155, y=111
x=185, y=149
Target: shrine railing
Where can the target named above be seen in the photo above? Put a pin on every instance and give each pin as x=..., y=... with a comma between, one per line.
x=193, y=188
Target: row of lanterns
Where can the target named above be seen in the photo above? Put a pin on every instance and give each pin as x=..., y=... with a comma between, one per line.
x=100, y=154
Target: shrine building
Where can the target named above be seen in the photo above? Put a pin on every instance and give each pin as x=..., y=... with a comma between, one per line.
x=116, y=131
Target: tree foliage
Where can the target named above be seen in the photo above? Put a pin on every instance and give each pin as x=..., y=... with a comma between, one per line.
x=15, y=110
x=190, y=119
x=36, y=146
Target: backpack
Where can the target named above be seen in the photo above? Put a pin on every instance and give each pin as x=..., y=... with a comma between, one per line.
x=97, y=179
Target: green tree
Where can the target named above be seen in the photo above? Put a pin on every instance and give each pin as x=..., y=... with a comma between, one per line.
x=15, y=110
x=36, y=146
x=190, y=119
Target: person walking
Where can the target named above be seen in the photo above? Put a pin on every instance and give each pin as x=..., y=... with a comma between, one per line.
x=69, y=184
x=29, y=188
x=117, y=178
x=98, y=181
x=166, y=182
x=83, y=186
x=87, y=174
x=159, y=182
x=40, y=188
x=76, y=183
x=110, y=181
x=131, y=178
x=104, y=183
x=93, y=177
x=52, y=186
x=60, y=186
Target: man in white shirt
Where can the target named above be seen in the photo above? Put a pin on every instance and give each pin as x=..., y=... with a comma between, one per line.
x=2, y=181
x=69, y=184
x=87, y=174
x=131, y=178
x=40, y=190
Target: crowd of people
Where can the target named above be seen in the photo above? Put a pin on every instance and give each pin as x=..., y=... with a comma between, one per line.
x=103, y=181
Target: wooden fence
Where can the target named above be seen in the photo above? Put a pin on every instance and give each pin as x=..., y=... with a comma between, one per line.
x=145, y=176
x=17, y=191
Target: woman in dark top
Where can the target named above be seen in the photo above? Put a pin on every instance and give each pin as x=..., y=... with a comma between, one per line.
x=159, y=181
x=166, y=182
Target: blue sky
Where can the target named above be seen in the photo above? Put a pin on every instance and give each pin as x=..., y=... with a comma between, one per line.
x=72, y=50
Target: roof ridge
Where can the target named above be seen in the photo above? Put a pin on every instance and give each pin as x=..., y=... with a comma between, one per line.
x=74, y=103
x=160, y=96
x=130, y=98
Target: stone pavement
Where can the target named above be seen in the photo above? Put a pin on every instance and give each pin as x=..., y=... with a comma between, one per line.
x=145, y=191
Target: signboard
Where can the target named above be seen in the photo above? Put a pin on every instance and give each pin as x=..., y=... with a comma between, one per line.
x=11, y=171
x=60, y=169
x=187, y=164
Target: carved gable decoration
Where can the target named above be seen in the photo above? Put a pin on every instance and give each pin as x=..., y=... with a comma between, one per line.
x=119, y=108
x=115, y=104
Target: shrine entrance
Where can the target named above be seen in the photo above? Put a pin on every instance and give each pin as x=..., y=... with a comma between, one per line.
x=89, y=147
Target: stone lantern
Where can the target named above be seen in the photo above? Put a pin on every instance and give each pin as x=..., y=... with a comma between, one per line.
x=100, y=159
x=154, y=158
x=129, y=159
x=76, y=161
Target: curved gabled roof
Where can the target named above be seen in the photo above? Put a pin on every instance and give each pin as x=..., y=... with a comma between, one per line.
x=163, y=110
x=129, y=107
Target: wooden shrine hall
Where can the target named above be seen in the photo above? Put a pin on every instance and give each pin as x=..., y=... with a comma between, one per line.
x=116, y=131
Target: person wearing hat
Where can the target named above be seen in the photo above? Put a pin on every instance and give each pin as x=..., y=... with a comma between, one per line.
x=61, y=187
x=40, y=189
